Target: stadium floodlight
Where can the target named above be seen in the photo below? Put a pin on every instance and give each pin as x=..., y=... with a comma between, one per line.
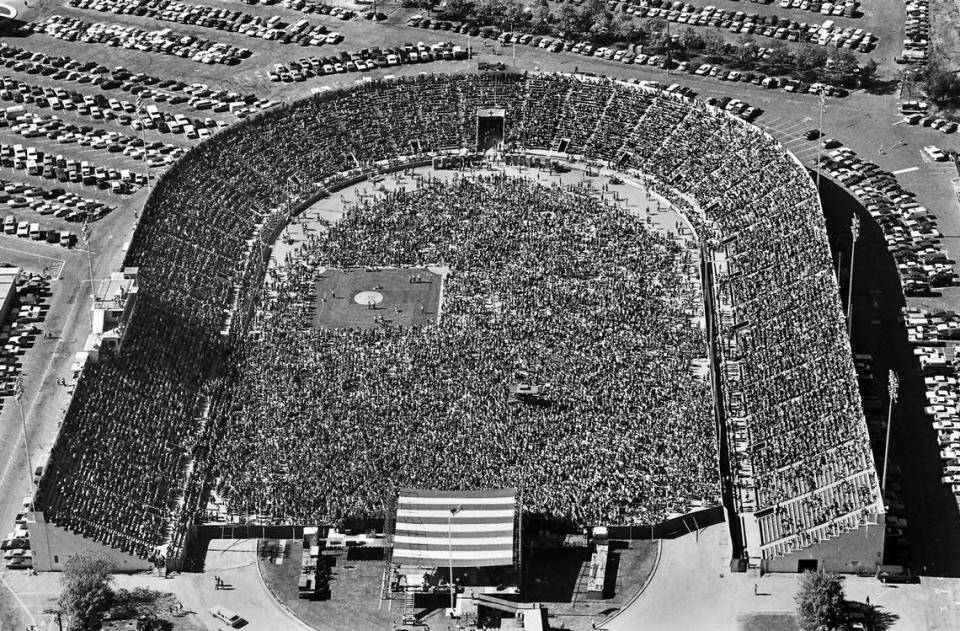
x=855, y=233
x=453, y=511
x=893, y=389
x=85, y=234
x=822, y=100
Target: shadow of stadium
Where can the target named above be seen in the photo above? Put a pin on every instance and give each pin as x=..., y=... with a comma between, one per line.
x=931, y=541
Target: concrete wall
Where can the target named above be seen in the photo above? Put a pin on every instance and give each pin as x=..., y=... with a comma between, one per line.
x=53, y=545
x=856, y=551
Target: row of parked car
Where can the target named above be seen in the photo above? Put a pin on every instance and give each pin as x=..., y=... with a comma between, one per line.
x=100, y=108
x=916, y=36
x=17, y=554
x=826, y=34
x=37, y=232
x=931, y=333
x=198, y=96
x=793, y=86
x=917, y=113
x=364, y=60
x=41, y=164
x=312, y=7
x=54, y=201
x=846, y=8
x=909, y=229
x=31, y=125
x=164, y=41
x=274, y=28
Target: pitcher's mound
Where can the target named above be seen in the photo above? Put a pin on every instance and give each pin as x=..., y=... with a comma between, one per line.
x=367, y=298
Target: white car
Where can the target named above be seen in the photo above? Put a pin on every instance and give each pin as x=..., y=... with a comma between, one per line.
x=935, y=153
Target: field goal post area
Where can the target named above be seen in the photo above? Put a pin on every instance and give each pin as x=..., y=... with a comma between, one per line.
x=490, y=127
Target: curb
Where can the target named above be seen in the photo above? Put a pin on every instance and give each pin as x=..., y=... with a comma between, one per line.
x=273, y=596
x=643, y=588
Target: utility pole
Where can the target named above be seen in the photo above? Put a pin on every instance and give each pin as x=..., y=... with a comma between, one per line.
x=143, y=138
x=823, y=104
x=18, y=394
x=85, y=231
x=893, y=388
x=855, y=233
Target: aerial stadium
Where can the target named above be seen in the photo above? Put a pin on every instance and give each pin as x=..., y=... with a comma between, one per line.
x=241, y=379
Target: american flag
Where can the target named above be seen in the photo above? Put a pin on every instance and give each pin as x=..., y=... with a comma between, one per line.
x=471, y=528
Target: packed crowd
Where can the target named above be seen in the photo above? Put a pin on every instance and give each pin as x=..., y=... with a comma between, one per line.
x=546, y=287
x=199, y=249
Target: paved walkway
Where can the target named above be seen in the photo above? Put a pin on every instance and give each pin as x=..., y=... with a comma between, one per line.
x=234, y=561
x=694, y=589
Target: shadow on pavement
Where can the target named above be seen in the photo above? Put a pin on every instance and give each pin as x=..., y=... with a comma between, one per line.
x=930, y=544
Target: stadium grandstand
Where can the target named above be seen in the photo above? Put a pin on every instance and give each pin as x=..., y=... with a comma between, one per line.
x=140, y=447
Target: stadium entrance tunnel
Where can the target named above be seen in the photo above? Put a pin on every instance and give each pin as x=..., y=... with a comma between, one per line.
x=489, y=128
x=930, y=544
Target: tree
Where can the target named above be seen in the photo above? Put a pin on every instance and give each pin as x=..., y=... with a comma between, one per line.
x=622, y=27
x=746, y=48
x=781, y=60
x=845, y=66
x=141, y=601
x=690, y=39
x=540, y=18
x=940, y=84
x=713, y=45
x=820, y=602
x=810, y=57
x=569, y=18
x=86, y=591
x=601, y=23
x=868, y=73
x=657, y=27
x=458, y=9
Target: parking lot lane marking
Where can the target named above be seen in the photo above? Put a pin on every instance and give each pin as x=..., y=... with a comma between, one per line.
x=17, y=597
x=50, y=258
x=907, y=170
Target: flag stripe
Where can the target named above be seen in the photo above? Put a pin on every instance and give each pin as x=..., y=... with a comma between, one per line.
x=455, y=528
x=456, y=520
x=445, y=502
x=406, y=494
x=458, y=543
x=403, y=555
x=489, y=513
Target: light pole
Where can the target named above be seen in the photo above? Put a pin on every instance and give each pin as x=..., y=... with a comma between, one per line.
x=893, y=388
x=85, y=231
x=453, y=511
x=823, y=104
x=146, y=160
x=855, y=233
x=18, y=394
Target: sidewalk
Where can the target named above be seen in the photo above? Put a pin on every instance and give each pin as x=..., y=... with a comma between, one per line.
x=694, y=589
